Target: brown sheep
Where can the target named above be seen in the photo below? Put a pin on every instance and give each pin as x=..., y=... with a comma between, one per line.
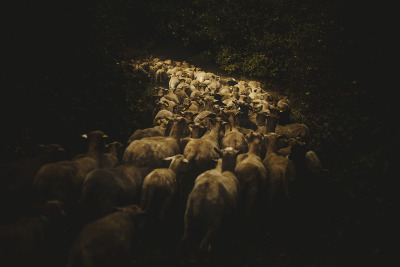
x=16, y=179
x=110, y=240
x=281, y=171
x=233, y=137
x=285, y=151
x=284, y=110
x=158, y=130
x=161, y=76
x=213, y=198
x=116, y=148
x=150, y=151
x=160, y=187
x=292, y=130
x=63, y=180
x=35, y=240
x=162, y=114
x=201, y=152
x=104, y=189
x=252, y=176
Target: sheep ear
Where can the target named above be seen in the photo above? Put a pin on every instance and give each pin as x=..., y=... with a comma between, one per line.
x=84, y=136
x=168, y=158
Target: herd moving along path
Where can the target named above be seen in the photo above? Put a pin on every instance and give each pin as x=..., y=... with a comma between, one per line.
x=221, y=171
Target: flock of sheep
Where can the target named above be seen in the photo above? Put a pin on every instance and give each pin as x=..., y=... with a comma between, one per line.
x=222, y=163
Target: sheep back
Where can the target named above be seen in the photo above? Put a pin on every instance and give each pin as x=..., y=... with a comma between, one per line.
x=150, y=151
x=108, y=241
x=201, y=153
x=159, y=187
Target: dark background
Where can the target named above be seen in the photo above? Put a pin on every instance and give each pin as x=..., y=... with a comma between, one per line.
x=334, y=59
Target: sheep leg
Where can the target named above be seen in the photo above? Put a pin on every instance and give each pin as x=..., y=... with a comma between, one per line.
x=205, y=244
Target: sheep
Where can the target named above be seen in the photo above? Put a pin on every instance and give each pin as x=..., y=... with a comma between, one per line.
x=285, y=151
x=194, y=107
x=63, y=180
x=201, y=76
x=168, y=104
x=212, y=200
x=208, y=103
x=162, y=114
x=159, y=130
x=307, y=160
x=110, y=240
x=197, y=130
x=252, y=176
x=171, y=96
x=294, y=130
x=168, y=62
x=284, y=110
x=291, y=130
x=106, y=159
x=111, y=158
x=161, y=76
x=261, y=119
x=104, y=189
x=115, y=148
x=185, y=87
x=314, y=164
x=189, y=115
x=150, y=151
x=16, y=179
x=244, y=122
x=160, y=187
x=202, y=117
x=234, y=138
x=201, y=152
x=214, y=86
x=254, y=84
x=281, y=172
x=173, y=82
x=181, y=94
x=37, y=239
